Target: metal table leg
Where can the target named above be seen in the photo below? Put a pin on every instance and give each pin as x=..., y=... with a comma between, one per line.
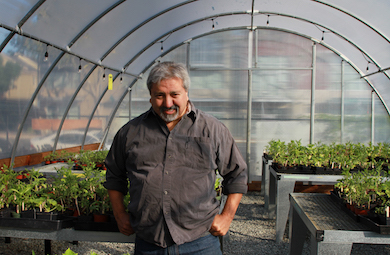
x=265, y=176
x=283, y=188
x=270, y=198
x=328, y=248
x=265, y=183
x=297, y=233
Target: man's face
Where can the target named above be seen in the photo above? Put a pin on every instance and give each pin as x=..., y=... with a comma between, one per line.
x=169, y=99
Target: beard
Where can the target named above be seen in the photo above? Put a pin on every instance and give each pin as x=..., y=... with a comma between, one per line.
x=169, y=117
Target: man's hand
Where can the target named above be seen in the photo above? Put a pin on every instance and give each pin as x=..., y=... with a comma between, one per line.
x=123, y=221
x=221, y=223
x=121, y=216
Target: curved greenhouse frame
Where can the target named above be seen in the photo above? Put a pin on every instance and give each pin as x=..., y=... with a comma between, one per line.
x=315, y=71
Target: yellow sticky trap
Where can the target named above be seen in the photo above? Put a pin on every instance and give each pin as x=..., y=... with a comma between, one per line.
x=110, y=82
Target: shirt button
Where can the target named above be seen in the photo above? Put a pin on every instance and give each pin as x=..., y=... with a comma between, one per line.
x=166, y=172
x=165, y=192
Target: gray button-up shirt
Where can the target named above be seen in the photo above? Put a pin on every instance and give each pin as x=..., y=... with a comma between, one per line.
x=172, y=174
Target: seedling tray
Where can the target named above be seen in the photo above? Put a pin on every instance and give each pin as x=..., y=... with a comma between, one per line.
x=372, y=225
x=36, y=223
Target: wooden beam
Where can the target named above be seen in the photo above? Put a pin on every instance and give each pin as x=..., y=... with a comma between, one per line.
x=37, y=158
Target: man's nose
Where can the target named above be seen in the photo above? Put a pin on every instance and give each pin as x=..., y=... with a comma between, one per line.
x=168, y=102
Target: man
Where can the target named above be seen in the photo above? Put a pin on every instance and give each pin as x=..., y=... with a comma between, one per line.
x=170, y=155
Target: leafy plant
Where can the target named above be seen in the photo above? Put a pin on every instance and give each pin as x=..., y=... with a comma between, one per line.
x=52, y=156
x=342, y=156
x=101, y=201
x=66, y=187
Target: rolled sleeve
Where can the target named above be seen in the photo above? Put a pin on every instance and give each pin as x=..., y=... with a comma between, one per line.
x=116, y=176
x=232, y=166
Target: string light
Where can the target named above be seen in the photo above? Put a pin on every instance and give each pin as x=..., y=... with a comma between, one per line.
x=268, y=20
x=368, y=63
x=46, y=54
x=213, y=26
x=80, y=66
x=323, y=32
x=121, y=79
x=104, y=74
x=162, y=41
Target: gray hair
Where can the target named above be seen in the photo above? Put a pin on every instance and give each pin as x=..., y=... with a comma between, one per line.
x=167, y=70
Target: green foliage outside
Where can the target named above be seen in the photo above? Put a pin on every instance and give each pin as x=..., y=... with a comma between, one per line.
x=8, y=73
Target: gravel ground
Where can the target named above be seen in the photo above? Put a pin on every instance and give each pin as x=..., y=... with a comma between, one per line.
x=251, y=233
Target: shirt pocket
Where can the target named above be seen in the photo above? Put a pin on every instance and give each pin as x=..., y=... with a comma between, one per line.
x=199, y=153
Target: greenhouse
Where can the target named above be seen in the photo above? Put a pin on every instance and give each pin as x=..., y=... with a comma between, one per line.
x=72, y=73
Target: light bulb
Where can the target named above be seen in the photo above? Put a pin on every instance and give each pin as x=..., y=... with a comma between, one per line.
x=46, y=54
x=80, y=66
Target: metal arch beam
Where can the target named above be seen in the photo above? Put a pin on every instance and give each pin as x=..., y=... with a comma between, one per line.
x=114, y=113
x=342, y=57
x=49, y=71
x=177, y=29
x=299, y=34
x=331, y=30
x=246, y=13
x=94, y=110
x=69, y=105
x=63, y=50
x=21, y=23
x=355, y=17
x=100, y=16
x=233, y=14
x=32, y=99
x=223, y=30
x=119, y=2
x=273, y=13
x=142, y=24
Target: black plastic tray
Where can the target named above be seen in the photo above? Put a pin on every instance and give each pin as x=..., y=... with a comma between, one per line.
x=373, y=226
x=36, y=223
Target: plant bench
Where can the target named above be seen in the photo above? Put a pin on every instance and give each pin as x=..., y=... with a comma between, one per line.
x=331, y=229
x=67, y=234
x=280, y=186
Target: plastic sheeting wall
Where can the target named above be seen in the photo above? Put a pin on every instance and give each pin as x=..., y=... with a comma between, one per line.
x=47, y=105
x=281, y=91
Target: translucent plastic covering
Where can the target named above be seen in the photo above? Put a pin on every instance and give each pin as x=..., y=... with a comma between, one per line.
x=310, y=70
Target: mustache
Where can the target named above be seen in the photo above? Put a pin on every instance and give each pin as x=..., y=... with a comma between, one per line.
x=173, y=107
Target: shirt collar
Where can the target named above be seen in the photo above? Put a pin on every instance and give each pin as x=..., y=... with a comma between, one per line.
x=191, y=111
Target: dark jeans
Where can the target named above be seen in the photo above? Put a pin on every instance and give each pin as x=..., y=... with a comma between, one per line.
x=207, y=245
